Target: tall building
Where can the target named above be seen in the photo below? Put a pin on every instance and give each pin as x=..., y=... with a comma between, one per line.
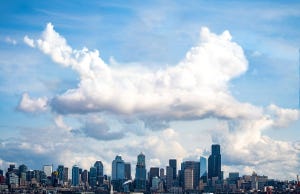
x=203, y=169
x=60, y=170
x=169, y=177
x=214, y=162
x=118, y=168
x=127, y=171
x=84, y=176
x=140, y=173
x=118, y=173
x=195, y=166
x=75, y=176
x=173, y=164
x=99, y=168
x=66, y=174
x=189, y=178
x=154, y=172
x=48, y=169
x=93, y=177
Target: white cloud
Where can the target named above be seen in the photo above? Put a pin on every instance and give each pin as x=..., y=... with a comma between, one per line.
x=194, y=88
x=10, y=40
x=28, y=41
x=30, y=105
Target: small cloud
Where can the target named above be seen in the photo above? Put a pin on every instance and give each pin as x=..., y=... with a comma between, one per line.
x=10, y=40
x=29, y=42
x=30, y=105
x=256, y=54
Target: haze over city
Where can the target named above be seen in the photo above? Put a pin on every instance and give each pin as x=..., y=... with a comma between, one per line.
x=84, y=81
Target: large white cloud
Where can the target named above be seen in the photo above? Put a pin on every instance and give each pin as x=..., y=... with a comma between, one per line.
x=195, y=88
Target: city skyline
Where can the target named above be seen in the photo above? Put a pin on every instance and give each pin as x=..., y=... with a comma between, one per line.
x=85, y=81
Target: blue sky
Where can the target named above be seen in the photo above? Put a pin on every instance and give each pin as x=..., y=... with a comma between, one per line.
x=143, y=44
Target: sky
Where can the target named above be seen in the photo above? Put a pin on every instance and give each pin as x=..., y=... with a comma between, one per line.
x=83, y=81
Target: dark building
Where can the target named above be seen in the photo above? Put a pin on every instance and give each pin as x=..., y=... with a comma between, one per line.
x=127, y=171
x=214, y=162
x=93, y=177
x=60, y=170
x=140, y=173
x=173, y=164
x=154, y=172
x=99, y=168
x=195, y=166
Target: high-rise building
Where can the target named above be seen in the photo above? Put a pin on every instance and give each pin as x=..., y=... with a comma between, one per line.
x=195, y=166
x=93, y=177
x=66, y=174
x=140, y=173
x=84, y=176
x=214, y=162
x=127, y=171
x=118, y=168
x=169, y=177
x=48, y=169
x=173, y=164
x=203, y=169
x=60, y=170
x=154, y=172
x=75, y=176
x=99, y=167
x=189, y=178
x=118, y=173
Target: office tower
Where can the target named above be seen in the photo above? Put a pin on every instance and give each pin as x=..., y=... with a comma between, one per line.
x=140, y=173
x=99, y=167
x=118, y=168
x=189, y=178
x=214, y=162
x=84, y=176
x=48, y=170
x=203, y=169
x=161, y=173
x=118, y=173
x=60, y=170
x=154, y=172
x=22, y=168
x=93, y=177
x=196, y=172
x=173, y=164
x=169, y=177
x=66, y=174
x=127, y=171
x=75, y=176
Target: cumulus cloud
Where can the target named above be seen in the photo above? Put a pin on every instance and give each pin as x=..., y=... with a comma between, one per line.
x=195, y=88
x=31, y=105
x=28, y=41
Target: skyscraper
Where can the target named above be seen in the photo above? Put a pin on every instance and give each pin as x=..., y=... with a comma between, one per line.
x=195, y=166
x=118, y=169
x=214, y=162
x=203, y=169
x=93, y=177
x=75, y=176
x=189, y=178
x=154, y=172
x=118, y=173
x=99, y=172
x=60, y=170
x=169, y=177
x=140, y=173
x=173, y=164
x=127, y=171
